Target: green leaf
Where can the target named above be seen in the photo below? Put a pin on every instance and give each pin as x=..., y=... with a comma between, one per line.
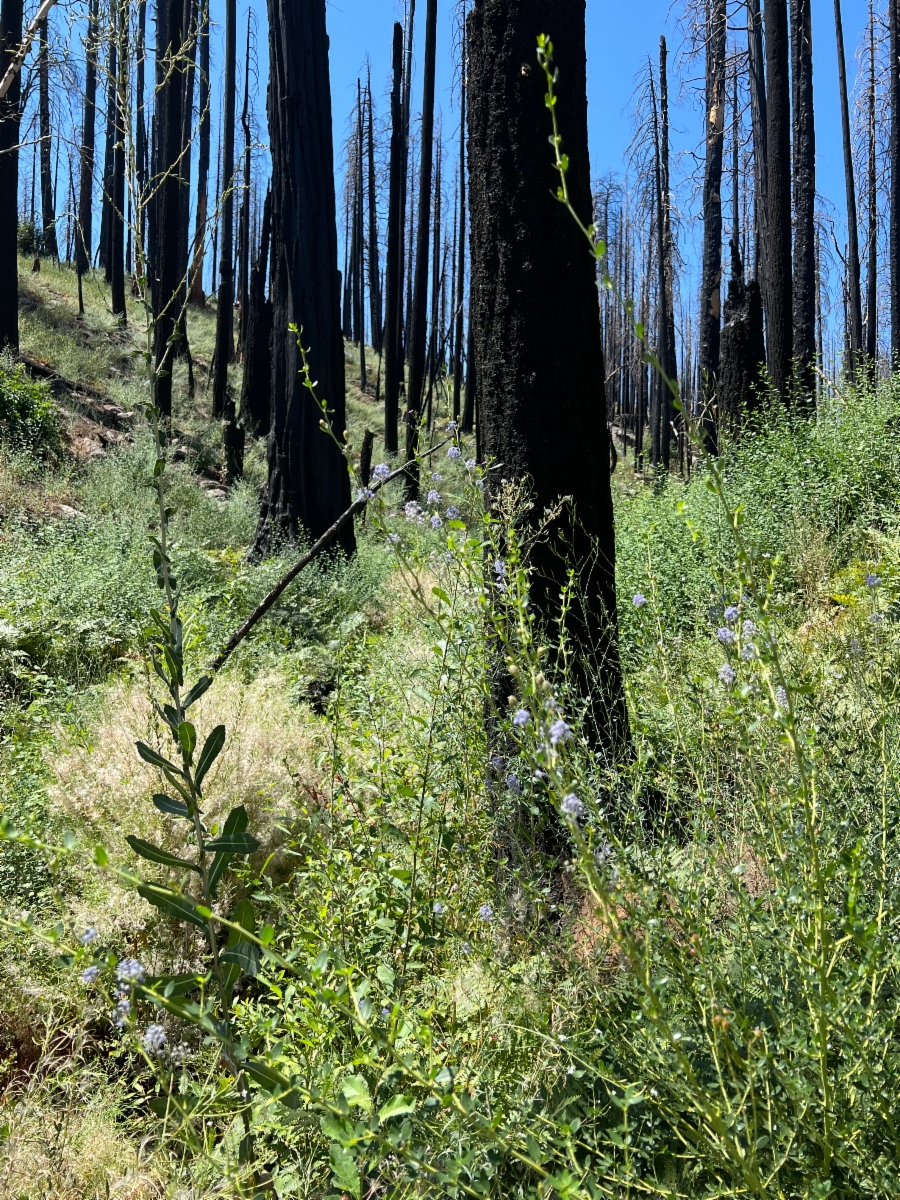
x=244, y=955
x=101, y=858
x=156, y=760
x=271, y=1080
x=155, y=854
x=173, y=985
x=356, y=1091
x=233, y=843
x=200, y=688
x=345, y=1171
x=237, y=822
x=172, y=808
x=397, y=1106
x=187, y=736
x=173, y=904
x=211, y=751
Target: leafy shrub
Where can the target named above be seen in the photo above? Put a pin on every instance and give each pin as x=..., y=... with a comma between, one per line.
x=28, y=419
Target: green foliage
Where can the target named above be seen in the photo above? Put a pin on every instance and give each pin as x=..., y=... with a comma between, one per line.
x=28, y=420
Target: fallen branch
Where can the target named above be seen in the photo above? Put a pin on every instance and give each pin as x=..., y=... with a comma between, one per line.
x=21, y=54
x=324, y=541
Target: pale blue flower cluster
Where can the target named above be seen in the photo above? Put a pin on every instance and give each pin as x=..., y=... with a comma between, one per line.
x=155, y=1040
x=454, y=452
x=434, y=496
x=521, y=718
x=559, y=732
x=129, y=972
x=89, y=937
x=89, y=976
x=573, y=807
x=727, y=675
x=452, y=513
x=732, y=612
x=513, y=785
x=486, y=913
x=726, y=636
x=639, y=600
x=382, y=473
x=436, y=522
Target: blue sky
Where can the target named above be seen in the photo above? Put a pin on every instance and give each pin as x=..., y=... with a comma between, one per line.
x=621, y=34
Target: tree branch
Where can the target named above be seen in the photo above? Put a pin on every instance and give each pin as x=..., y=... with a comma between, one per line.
x=324, y=541
x=22, y=53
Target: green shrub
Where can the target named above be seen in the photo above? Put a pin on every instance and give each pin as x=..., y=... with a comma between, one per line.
x=28, y=418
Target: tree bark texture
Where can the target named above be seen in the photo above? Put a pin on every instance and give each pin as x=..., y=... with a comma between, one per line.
x=854, y=292
x=872, y=270
x=742, y=348
x=48, y=205
x=117, y=206
x=256, y=390
x=224, y=348
x=759, y=121
x=894, y=206
x=167, y=203
x=779, y=340
x=197, y=295
x=141, y=142
x=308, y=486
x=538, y=350
x=393, y=278
x=711, y=283
x=461, y=246
x=11, y=18
x=84, y=238
x=418, y=335
x=103, y=257
x=374, y=256
x=671, y=360
x=804, y=297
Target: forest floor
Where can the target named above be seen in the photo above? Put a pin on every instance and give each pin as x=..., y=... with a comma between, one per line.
x=359, y=752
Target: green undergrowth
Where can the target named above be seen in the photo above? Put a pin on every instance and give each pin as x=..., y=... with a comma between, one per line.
x=700, y=999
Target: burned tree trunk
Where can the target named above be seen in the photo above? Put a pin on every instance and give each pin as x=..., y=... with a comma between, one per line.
x=804, y=203
x=894, y=217
x=308, y=486
x=84, y=239
x=196, y=293
x=141, y=146
x=854, y=293
x=244, y=257
x=256, y=390
x=48, y=204
x=668, y=250
x=117, y=205
x=537, y=325
x=418, y=334
x=758, y=120
x=224, y=348
x=374, y=264
x=711, y=285
x=393, y=282
x=11, y=19
x=103, y=256
x=167, y=203
x=461, y=248
x=742, y=347
x=872, y=271
x=779, y=316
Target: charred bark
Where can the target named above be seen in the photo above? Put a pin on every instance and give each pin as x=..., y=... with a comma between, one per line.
x=854, y=292
x=117, y=199
x=461, y=246
x=894, y=78
x=759, y=122
x=167, y=203
x=256, y=390
x=84, y=238
x=538, y=349
x=224, y=348
x=742, y=348
x=196, y=294
x=48, y=201
x=308, y=486
x=804, y=297
x=374, y=256
x=418, y=337
x=779, y=316
x=393, y=283
x=872, y=270
x=11, y=19
x=711, y=284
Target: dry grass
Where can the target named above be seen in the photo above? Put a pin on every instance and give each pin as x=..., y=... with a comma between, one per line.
x=103, y=788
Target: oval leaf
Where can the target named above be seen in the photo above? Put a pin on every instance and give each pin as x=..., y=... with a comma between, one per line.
x=211, y=751
x=173, y=904
x=155, y=854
